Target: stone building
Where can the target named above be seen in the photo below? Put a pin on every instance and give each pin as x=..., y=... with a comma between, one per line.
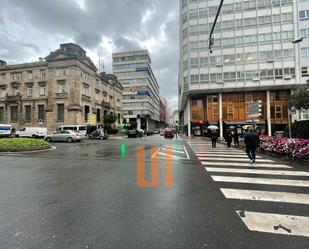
x=61, y=89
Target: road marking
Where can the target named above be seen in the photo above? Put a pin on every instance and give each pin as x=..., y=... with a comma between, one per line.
x=258, y=171
x=233, y=159
x=257, y=165
x=275, y=223
x=207, y=155
x=252, y=180
x=184, y=147
x=259, y=195
x=220, y=153
x=156, y=152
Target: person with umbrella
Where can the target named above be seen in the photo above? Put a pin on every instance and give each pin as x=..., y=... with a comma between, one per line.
x=214, y=137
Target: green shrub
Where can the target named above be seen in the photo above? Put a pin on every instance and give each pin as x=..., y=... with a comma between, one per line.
x=300, y=129
x=22, y=144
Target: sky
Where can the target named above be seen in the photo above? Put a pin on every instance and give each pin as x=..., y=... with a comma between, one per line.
x=30, y=29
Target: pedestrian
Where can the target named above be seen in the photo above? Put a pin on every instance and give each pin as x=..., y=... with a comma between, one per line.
x=252, y=141
x=228, y=138
x=236, y=139
x=214, y=137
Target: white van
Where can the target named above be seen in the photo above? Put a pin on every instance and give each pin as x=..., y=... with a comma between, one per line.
x=81, y=129
x=35, y=132
x=5, y=130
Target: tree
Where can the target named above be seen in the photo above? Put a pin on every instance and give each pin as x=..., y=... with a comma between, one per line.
x=300, y=98
x=109, y=120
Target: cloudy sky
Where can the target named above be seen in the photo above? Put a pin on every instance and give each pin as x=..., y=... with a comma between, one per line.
x=32, y=28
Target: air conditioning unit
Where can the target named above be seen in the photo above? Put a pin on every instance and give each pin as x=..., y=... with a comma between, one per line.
x=219, y=65
x=270, y=60
x=256, y=79
x=220, y=82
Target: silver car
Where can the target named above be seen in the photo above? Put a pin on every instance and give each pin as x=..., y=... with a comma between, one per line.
x=66, y=136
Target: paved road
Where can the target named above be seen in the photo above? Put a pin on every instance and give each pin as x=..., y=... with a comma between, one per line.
x=86, y=195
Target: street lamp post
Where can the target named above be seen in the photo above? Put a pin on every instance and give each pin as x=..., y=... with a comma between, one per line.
x=292, y=110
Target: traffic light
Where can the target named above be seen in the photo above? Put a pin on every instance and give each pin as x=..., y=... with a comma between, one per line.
x=260, y=106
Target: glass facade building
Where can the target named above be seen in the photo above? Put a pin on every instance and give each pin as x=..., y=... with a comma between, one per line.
x=141, y=102
x=252, y=58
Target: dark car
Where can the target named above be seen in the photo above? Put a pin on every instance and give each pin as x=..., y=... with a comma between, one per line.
x=168, y=133
x=98, y=134
x=135, y=133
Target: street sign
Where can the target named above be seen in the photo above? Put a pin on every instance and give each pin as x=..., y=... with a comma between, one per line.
x=91, y=118
x=255, y=109
x=292, y=111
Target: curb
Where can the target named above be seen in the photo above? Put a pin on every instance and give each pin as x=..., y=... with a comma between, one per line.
x=26, y=152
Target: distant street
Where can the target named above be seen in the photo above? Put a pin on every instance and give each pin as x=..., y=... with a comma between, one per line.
x=86, y=195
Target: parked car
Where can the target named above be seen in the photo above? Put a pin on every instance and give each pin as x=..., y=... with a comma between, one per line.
x=135, y=133
x=98, y=134
x=65, y=136
x=82, y=129
x=34, y=132
x=168, y=133
x=156, y=131
x=5, y=130
x=162, y=133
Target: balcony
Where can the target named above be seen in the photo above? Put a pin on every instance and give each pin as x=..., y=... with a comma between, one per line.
x=106, y=104
x=13, y=98
x=61, y=96
x=86, y=98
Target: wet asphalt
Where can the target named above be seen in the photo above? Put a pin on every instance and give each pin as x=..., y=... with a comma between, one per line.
x=85, y=195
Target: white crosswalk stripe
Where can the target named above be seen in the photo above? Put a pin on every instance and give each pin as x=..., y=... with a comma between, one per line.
x=255, y=183
x=261, y=195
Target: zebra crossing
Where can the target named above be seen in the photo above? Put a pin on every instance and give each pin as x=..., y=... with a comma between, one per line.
x=258, y=184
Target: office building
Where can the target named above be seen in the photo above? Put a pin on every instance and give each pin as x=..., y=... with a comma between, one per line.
x=253, y=58
x=141, y=101
x=304, y=48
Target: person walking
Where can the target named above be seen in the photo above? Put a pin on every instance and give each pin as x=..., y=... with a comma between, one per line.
x=228, y=138
x=252, y=141
x=214, y=137
x=236, y=138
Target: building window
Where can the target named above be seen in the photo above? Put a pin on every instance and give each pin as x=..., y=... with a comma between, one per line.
x=304, y=52
x=28, y=113
x=86, y=112
x=41, y=113
x=14, y=113
x=2, y=93
x=119, y=118
x=86, y=90
x=62, y=88
x=43, y=74
x=98, y=115
x=278, y=112
x=61, y=72
x=1, y=114
x=60, y=112
x=303, y=14
x=16, y=76
x=2, y=76
x=304, y=114
x=29, y=75
x=29, y=91
x=42, y=90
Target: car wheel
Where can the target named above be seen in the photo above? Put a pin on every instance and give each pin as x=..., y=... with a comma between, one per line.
x=17, y=136
x=101, y=138
x=90, y=137
x=48, y=139
x=70, y=140
x=34, y=136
